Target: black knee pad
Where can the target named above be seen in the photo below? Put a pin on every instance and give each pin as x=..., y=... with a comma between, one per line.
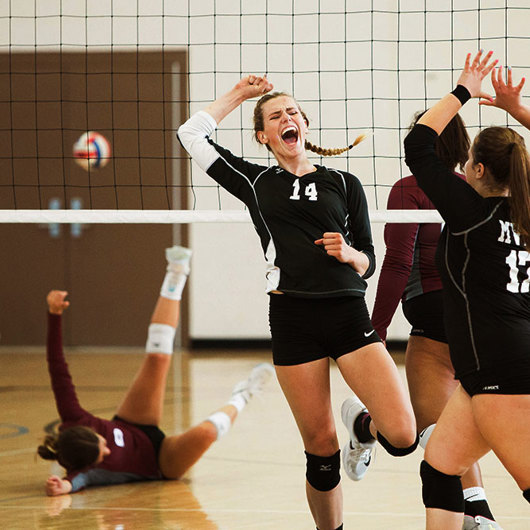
x=526, y=494
x=323, y=472
x=397, y=451
x=440, y=490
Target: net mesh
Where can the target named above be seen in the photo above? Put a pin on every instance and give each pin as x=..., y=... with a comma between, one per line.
x=133, y=71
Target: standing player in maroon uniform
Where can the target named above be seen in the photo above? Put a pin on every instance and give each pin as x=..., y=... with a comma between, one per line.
x=409, y=274
x=483, y=261
x=131, y=447
x=315, y=233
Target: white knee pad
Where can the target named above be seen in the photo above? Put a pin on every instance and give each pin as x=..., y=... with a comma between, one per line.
x=221, y=421
x=160, y=339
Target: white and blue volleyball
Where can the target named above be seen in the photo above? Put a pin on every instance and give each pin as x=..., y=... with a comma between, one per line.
x=92, y=150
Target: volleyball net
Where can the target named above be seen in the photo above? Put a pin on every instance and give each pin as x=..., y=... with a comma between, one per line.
x=133, y=71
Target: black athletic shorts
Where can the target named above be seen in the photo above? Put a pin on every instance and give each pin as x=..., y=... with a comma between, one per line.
x=307, y=329
x=426, y=316
x=155, y=435
x=497, y=381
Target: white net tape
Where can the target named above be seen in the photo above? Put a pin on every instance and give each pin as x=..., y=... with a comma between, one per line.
x=184, y=216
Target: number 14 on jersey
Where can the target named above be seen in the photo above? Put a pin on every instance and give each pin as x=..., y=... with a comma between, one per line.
x=310, y=191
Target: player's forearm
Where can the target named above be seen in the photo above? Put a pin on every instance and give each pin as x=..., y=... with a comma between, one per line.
x=521, y=114
x=62, y=385
x=359, y=261
x=438, y=116
x=225, y=104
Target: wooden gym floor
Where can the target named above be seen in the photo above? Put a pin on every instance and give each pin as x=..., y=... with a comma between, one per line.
x=252, y=479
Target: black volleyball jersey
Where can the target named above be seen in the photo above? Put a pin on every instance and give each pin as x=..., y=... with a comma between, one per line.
x=484, y=268
x=289, y=213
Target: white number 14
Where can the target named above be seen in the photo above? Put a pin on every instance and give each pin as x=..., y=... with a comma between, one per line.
x=310, y=191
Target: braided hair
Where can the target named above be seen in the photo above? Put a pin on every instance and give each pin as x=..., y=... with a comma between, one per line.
x=259, y=125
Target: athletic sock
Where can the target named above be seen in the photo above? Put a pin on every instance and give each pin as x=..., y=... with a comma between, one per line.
x=361, y=427
x=476, y=503
x=221, y=421
x=173, y=285
x=238, y=401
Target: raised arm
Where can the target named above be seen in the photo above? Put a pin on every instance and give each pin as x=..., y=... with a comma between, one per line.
x=63, y=388
x=469, y=85
x=248, y=87
x=229, y=171
x=508, y=97
x=456, y=201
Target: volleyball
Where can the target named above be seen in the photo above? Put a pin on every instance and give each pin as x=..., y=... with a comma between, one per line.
x=92, y=150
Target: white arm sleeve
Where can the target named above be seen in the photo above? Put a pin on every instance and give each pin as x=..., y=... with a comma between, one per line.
x=193, y=136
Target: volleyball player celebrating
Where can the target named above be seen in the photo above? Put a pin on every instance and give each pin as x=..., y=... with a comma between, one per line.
x=131, y=447
x=314, y=229
x=409, y=273
x=483, y=259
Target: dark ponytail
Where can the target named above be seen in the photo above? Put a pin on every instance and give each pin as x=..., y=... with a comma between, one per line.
x=520, y=191
x=504, y=155
x=74, y=448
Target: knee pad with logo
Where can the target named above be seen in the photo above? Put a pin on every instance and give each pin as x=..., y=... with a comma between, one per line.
x=323, y=472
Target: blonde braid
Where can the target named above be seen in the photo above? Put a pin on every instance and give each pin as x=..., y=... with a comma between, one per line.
x=333, y=152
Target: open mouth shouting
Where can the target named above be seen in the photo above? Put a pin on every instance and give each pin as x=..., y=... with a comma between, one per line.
x=290, y=135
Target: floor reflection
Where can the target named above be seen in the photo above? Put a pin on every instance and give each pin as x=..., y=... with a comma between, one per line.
x=131, y=506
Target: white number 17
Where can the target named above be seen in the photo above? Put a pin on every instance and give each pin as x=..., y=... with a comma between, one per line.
x=515, y=260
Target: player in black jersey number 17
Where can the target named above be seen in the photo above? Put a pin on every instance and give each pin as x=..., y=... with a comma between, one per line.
x=483, y=260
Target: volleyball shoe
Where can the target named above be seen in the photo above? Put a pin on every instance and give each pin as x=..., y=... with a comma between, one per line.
x=178, y=259
x=479, y=523
x=253, y=385
x=178, y=268
x=356, y=455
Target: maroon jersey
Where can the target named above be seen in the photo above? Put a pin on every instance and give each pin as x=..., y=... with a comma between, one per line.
x=132, y=454
x=408, y=268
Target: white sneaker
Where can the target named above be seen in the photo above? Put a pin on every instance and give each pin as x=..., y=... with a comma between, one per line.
x=259, y=375
x=426, y=434
x=479, y=523
x=356, y=456
x=178, y=259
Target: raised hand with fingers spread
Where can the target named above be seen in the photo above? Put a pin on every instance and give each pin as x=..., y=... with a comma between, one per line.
x=474, y=73
x=508, y=96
